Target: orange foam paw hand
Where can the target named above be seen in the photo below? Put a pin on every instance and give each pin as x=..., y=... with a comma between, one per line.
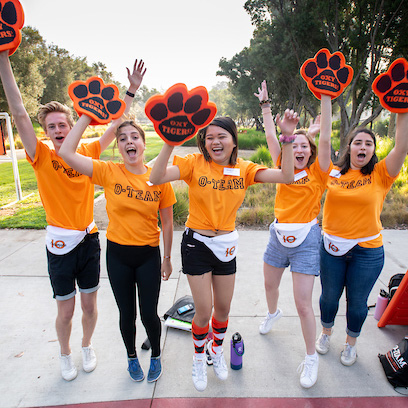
x=95, y=99
x=11, y=23
x=327, y=73
x=392, y=87
x=179, y=113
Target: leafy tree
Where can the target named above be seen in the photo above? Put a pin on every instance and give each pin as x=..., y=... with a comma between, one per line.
x=370, y=33
x=27, y=64
x=226, y=103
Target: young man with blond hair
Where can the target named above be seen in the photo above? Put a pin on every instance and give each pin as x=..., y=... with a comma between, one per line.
x=73, y=249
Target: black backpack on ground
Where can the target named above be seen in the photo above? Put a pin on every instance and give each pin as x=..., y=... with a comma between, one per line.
x=393, y=284
x=395, y=364
x=186, y=316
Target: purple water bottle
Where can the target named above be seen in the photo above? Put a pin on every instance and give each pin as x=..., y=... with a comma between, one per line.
x=237, y=351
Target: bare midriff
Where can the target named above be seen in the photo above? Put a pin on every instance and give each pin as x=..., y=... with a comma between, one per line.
x=210, y=233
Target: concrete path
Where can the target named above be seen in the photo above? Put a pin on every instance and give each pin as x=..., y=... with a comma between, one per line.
x=29, y=370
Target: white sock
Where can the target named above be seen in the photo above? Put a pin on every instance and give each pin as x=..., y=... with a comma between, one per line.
x=273, y=314
x=200, y=356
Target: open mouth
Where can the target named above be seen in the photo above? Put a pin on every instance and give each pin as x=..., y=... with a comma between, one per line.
x=299, y=159
x=361, y=156
x=59, y=138
x=131, y=151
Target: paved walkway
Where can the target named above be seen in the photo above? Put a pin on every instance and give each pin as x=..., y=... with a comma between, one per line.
x=29, y=370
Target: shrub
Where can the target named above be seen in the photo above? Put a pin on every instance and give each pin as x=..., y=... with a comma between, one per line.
x=180, y=209
x=262, y=156
x=384, y=146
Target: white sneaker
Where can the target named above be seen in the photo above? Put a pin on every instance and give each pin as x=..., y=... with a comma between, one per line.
x=219, y=364
x=88, y=358
x=269, y=321
x=308, y=369
x=68, y=369
x=199, y=374
x=348, y=355
x=323, y=343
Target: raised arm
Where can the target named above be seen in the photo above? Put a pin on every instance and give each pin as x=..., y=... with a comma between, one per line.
x=269, y=125
x=161, y=173
x=324, y=151
x=286, y=173
x=397, y=155
x=135, y=79
x=80, y=163
x=22, y=120
x=166, y=217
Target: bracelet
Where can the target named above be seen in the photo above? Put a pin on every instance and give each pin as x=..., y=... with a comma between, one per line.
x=264, y=102
x=166, y=257
x=266, y=106
x=287, y=139
x=132, y=95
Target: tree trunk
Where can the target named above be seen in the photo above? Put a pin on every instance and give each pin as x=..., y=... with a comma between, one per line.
x=391, y=126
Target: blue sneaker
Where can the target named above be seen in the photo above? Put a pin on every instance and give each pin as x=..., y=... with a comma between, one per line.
x=135, y=371
x=155, y=370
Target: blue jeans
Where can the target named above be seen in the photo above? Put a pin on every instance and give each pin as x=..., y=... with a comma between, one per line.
x=357, y=271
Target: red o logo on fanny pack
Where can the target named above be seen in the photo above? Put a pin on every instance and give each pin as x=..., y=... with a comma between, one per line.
x=230, y=251
x=58, y=244
x=290, y=239
x=333, y=247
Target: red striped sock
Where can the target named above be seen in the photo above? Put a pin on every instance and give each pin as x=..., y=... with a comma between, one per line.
x=199, y=339
x=219, y=330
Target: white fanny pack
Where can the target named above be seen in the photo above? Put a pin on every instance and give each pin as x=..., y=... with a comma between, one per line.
x=291, y=235
x=60, y=241
x=337, y=246
x=224, y=247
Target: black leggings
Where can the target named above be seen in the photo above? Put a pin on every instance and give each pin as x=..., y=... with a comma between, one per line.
x=129, y=266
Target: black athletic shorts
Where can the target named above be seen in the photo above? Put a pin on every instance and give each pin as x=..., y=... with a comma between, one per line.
x=198, y=259
x=81, y=265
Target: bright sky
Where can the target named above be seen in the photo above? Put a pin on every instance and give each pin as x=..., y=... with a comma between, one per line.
x=179, y=40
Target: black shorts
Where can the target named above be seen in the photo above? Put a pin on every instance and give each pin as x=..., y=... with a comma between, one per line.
x=82, y=265
x=198, y=259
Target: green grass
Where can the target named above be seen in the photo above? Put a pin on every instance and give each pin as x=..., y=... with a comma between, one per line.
x=7, y=186
x=28, y=213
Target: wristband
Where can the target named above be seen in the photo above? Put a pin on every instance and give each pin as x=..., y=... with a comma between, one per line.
x=132, y=95
x=287, y=139
x=264, y=102
x=166, y=257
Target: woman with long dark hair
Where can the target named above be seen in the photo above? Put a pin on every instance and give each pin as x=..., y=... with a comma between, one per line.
x=352, y=253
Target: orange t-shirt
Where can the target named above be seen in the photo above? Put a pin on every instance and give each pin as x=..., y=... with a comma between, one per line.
x=131, y=203
x=300, y=201
x=354, y=203
x=215, y=194
x=67, y=196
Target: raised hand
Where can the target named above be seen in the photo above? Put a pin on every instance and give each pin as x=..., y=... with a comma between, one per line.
x=136, y=77
x=262, y=94
x=314, y=127
x=288, y=124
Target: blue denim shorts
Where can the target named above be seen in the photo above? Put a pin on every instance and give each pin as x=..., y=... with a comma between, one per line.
x=304, y=258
